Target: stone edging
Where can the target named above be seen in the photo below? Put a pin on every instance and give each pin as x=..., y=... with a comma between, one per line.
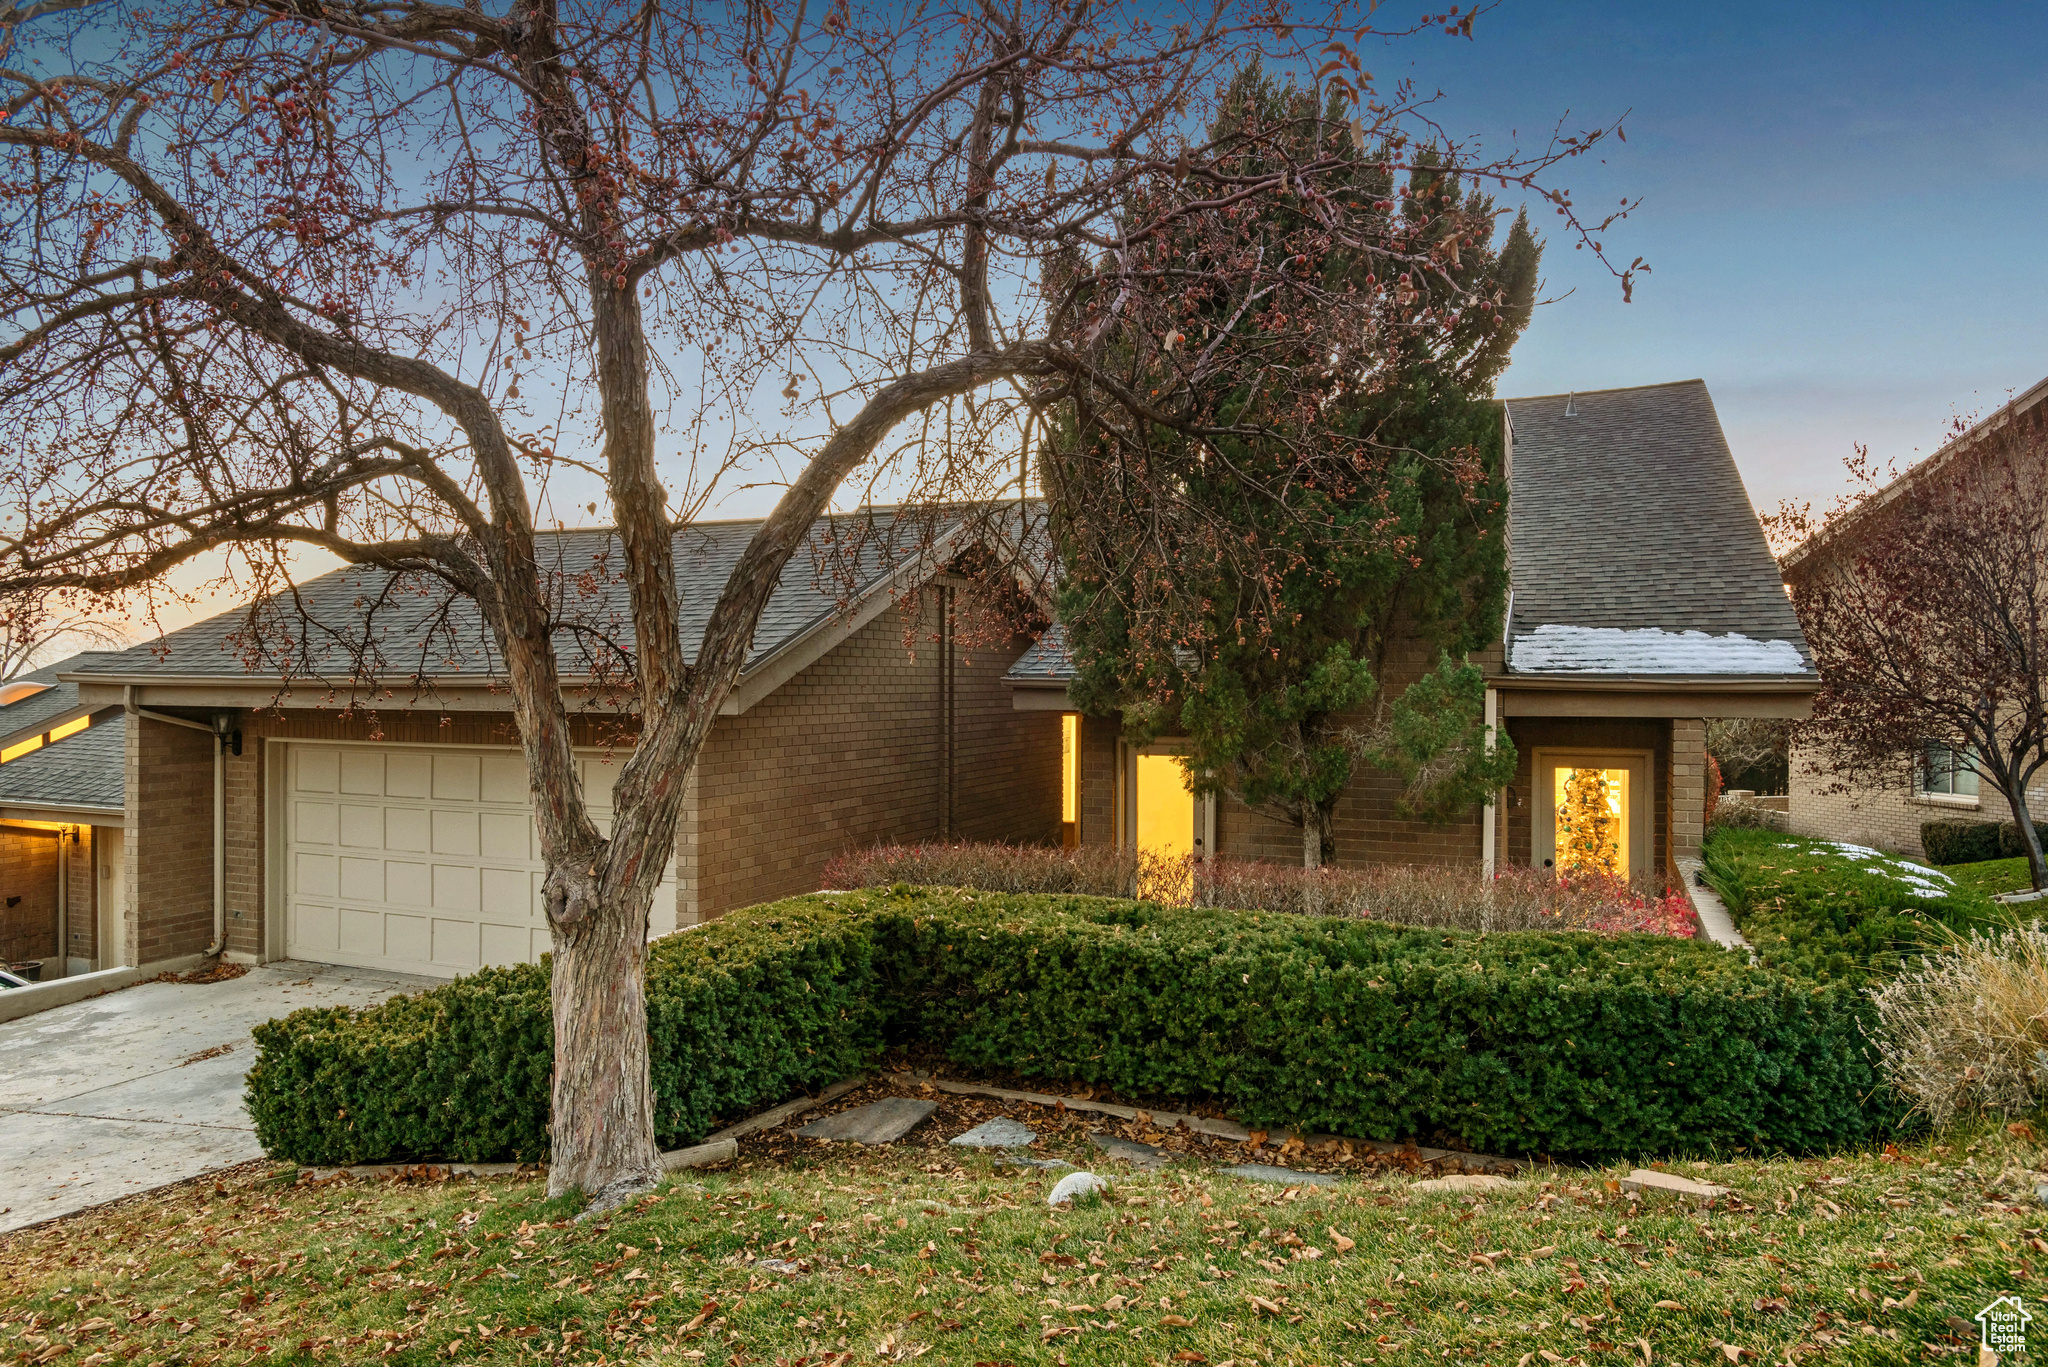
x=1715, y=921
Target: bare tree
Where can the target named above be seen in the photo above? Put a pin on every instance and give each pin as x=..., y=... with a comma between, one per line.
x=360, y=276
x=36, y=629
x=1925, y=600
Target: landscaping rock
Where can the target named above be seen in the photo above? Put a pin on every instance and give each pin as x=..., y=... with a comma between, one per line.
x=1013, y=1160
x=1076, y=1184
x=1464, y=1181
x=878, y=1122
x=1146, y=1156
x=706, y=1155
x=1643, y=1179
x=1000, y=1133
x=1267, y=1172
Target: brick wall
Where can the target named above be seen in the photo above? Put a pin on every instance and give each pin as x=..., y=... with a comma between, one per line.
x=81, y=895
x=851, y=752
x=1887, y=818
x=1098, y=779
x=1006, y=763
x=28, y=880
x=1687, y=799
x=1586, y=733
x=170, y=846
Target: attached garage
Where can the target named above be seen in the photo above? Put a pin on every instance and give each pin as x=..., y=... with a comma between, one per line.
x=418, y=858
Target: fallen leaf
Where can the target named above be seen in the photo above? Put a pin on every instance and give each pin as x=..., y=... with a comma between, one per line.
x=1188, y=1355
x=1670, y=1305
x=1176, y=1321
x=1343, y=1244
x=1261, y=1303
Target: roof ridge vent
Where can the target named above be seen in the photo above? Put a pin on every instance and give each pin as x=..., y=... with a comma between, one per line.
x=1570, y=410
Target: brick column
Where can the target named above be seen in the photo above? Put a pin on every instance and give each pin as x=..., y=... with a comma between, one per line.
x=1688, y=787
x=170, y=840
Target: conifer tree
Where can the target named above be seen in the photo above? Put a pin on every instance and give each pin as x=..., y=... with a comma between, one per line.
x=1254, y=606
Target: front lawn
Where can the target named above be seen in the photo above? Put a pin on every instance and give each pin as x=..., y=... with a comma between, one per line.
x=1992, y=876
x=1836, y=912
x=808, y=1252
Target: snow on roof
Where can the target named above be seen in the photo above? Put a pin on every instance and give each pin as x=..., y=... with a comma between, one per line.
x=1555, y=649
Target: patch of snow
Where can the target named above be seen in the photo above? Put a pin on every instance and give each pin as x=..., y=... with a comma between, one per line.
x=1555, y=649
x=1916, y=877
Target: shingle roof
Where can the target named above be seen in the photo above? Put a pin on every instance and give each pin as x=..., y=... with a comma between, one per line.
x=1047, y=662
x=35, y=712
x=1633, y=546
x=407, y=625
x=1630, y=514
x=82, y=770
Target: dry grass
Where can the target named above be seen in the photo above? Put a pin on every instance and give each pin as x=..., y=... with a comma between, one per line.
x=1967, y=1031
x=1449, y=897
x=830, y=1254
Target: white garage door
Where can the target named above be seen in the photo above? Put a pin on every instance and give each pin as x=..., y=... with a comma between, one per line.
x=422, y=859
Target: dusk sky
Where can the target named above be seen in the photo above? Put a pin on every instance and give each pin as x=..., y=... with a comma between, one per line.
x=1844, y=207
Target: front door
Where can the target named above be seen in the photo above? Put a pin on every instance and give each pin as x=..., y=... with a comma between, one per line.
x=1593, y=812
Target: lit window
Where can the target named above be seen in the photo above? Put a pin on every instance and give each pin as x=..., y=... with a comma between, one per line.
x=70, y=728
x=1944, y=770
x=17, y=751
x=1070, y=767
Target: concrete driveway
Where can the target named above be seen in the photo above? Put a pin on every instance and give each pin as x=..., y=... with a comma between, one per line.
x=143, y=1087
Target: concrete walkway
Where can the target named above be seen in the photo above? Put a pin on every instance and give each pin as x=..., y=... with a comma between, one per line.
x=121, y=1093
x=1715, y=921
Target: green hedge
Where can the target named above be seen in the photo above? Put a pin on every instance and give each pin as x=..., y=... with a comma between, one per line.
x=1567, y=1044
x=1833, y=912
x=1971, y=842
x=739, y=1015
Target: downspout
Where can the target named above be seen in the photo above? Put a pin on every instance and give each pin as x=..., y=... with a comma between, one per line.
x=221, y=730
x=1489, y=837
x=63, y=906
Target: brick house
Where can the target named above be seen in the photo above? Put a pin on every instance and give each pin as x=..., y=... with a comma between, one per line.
x=398, y=833
x=62, y=824
x=1888, y=816
x=1644, y=601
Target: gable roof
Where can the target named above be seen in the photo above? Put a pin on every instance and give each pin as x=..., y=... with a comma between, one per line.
x=1633, y=549
x=358, y=623
x=82, y=772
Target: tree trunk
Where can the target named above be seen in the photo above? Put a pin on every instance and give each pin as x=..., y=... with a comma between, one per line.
x=602, y=1136
x=2037, y=867
x=1315, y=832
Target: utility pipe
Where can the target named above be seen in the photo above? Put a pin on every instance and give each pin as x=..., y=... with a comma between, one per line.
x=63, y=906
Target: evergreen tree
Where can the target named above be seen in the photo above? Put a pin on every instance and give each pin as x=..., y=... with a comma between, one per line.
x=1249, y=595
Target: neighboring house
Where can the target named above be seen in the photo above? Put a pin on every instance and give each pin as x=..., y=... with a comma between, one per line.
x=397, y=833
x=62, y=824
x=1644, y=602
x=1939, y=786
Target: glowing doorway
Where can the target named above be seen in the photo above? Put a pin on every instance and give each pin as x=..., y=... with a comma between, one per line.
x=1592, y=806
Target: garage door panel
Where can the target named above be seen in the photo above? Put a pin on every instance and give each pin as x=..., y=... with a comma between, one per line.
x=454, y=831
x=507, y=835
x=506, y=944
x=455, y=887
x=318, y=771
x=408, y=937
x=318, y=823
x=405, y=828
x=362, y=772
x=504, y=780
x=314, y=923
x=315, y=875
x=362, y=932
x=408, y=773
x=422, y=859
x=362, y=828
x=456, y=778
x=407, y=884
x=362, y=880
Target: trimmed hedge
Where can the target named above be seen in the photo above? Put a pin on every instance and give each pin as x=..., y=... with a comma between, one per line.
x=1832, y=912
x=1971, y=842
x=1567, y=1044
x=738, y=1016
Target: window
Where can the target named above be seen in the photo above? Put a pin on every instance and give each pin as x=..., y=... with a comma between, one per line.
x=1947, y=771
x=1070, y=779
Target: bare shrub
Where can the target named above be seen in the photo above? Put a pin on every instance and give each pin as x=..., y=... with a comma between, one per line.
x=1745, y=813
x=1968, y=1030
x=1454, y=898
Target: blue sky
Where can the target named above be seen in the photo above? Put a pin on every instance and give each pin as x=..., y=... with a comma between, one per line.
x=1844, y=208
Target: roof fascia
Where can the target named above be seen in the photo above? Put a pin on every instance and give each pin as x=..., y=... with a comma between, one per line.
x=1949, y=451
x=76, y=813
